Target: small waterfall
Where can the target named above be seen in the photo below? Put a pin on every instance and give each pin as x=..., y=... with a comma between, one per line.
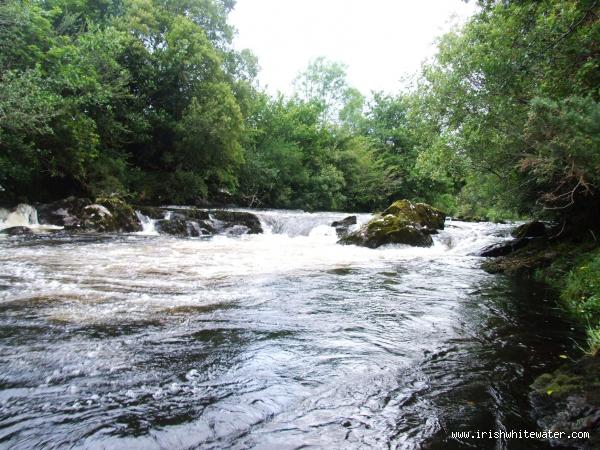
x=468, y=238
x=300, y=223
x=148, y=224
x=23, y=216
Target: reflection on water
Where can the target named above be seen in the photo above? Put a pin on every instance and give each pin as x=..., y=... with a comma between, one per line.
x=279, y=340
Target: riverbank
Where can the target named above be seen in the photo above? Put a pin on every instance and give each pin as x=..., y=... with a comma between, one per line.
x=566, y=399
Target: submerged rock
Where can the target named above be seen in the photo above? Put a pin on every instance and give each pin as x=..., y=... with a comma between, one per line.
x=342, y=227
x=17, y=231
x=346, y=222
x=403, y=222
x=469, y=218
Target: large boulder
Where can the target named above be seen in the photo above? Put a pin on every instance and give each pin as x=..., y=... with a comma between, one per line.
x=121, y=216
x=403, y=222
x=426, y=217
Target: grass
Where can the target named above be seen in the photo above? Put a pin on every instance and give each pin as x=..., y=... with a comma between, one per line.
x=580, y=292
x=593, y=341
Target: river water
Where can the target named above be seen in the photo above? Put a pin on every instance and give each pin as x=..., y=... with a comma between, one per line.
x=280, y=340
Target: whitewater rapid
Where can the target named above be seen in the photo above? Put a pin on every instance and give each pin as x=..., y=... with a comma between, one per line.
x=276, y=340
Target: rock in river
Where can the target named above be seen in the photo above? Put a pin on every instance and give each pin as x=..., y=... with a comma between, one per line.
x=533, y=229
x=342, y=227
x=108, y=214
x=403, y=222
x=17, y=231
x=230, y=219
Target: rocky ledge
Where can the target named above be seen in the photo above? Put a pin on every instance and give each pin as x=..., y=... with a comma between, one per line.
x=106, y=214
x=196, y=222
x=403, y=222
x=113, y=214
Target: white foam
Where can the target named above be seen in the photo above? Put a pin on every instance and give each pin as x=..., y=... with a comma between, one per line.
x=23, y=216
x=148, y=225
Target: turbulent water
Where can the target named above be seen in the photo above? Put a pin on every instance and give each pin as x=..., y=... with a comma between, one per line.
x=280, y=340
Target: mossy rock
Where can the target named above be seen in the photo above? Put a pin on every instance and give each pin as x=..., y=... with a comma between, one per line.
x=388, y=230
x=403, y=222
x=568, y=399
x=122, y=217
x=427, y=217
x=579, y=377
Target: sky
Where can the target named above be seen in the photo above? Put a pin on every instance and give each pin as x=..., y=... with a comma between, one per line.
x=381, y=41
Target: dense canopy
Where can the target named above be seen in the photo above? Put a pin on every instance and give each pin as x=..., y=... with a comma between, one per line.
x=149, y=99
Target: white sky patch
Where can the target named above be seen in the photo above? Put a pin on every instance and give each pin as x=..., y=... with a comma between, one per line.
x=381, y=41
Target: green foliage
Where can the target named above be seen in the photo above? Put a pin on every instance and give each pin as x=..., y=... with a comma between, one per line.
x=149, y=98
x=325, y=82
x=581, y=294
x=514, y=94
x=95, y=93
x=564, y=141
x=582, y=289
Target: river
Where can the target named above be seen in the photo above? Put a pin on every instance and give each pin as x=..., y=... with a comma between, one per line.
x=279, y=340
